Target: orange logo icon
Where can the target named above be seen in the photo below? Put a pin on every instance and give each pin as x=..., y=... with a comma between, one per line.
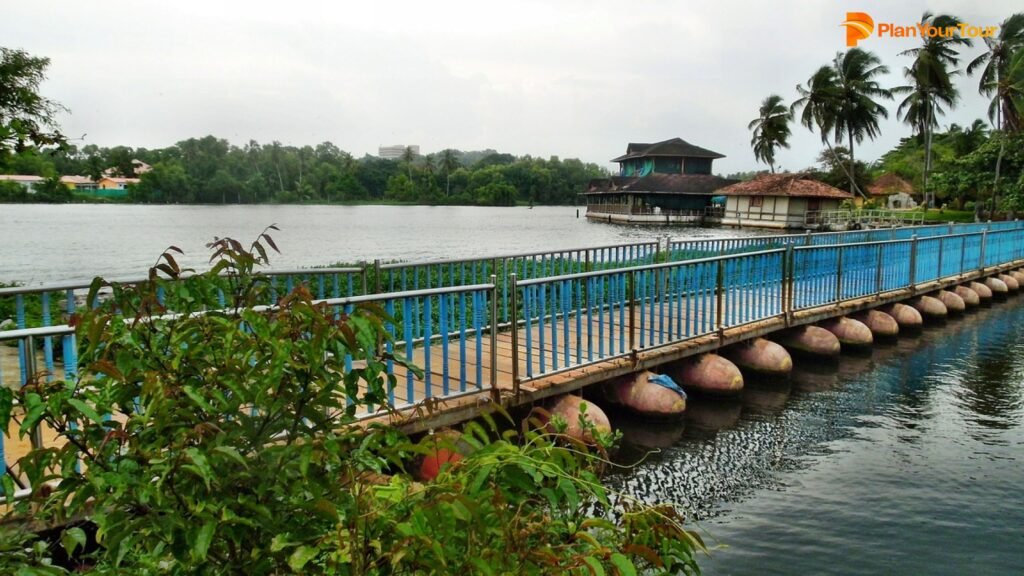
x=858, y=27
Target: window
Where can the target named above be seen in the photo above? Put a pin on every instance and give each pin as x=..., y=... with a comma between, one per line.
x=756, y=201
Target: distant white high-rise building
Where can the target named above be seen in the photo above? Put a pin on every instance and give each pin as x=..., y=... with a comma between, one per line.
x=397, y=151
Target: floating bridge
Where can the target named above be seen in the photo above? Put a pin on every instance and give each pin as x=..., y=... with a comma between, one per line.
x=517, y=328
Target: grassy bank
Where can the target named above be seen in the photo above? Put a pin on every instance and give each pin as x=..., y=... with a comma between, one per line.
x=947, y=215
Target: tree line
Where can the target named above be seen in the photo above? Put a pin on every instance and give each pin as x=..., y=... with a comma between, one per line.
x=843, y=102
x=211, y=170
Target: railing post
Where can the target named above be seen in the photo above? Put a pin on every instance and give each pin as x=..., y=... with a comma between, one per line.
x=514, y=304
x=913, y=262
x=36, y=436
x=632, y=309
x=807, y=238
x=839, y=275
x=981, y=253
x=364, y=274
x=787, y=280
x=720, y=297
x=376, y=276
x=878, y=272
x=495, y=393
x=938, y=273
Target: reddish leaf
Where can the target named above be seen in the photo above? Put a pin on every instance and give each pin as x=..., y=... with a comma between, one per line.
x=270, y=241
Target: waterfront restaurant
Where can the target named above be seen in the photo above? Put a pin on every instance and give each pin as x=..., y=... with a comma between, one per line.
x=661, y=183
x=778, y=201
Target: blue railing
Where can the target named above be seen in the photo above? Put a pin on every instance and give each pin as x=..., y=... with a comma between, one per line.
x=567, y=321
x=394, y=276
x=684, y=249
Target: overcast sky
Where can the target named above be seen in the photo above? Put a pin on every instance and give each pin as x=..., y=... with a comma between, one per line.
x=572, y=78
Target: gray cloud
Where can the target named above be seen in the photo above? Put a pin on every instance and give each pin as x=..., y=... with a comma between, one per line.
x=572, y=78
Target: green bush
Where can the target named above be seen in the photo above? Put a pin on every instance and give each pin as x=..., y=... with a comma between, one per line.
x=223, y=443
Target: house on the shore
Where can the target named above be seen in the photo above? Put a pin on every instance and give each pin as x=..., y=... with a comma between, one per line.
x=115, y=183
x=80, y=183
x=778, y=201
x=661, y=183
x=28, y=182
x=892, y=192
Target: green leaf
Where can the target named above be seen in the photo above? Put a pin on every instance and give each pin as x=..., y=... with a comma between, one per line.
x=6, y=405
x=623, y=565
x=202, y=465
x=301, y=556
x=569, y=489
x=595, y=566
x=203, y=539
x=35, y=408
x=280, y=542
x=72, y=539
x=7, y=482
x=199, y=400
x=86, y=410
x=232, y=452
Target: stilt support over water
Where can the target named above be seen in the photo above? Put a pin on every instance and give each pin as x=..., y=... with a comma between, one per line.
x=760, y=356
x=640, y=395
x=954, y=303
x=982, y=290
x=881, y=324
x=970, y=297
x=930, y=308
x=1011, y=283
x=851, y=333
x=908, y=318
x=811, y=340
x=998, y=287
x=709, y=373
x=568, y=407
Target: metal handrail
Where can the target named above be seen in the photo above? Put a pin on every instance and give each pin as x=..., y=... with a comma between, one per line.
x=401, y=264
x=646, y=267
x=62, y=286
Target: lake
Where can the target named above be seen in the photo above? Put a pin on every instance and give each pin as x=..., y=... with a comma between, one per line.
x=906, y=461
x=46, y=243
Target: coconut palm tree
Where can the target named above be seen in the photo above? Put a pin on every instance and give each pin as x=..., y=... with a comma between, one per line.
x=930, y=86
x=408, y=157
x=996, y=81
x=967, y=140
x=994, y=65
x=859, y=112
x=771, y=129
x=449, y=162
x=841, y=101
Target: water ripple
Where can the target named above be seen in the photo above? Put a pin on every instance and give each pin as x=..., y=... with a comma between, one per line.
x=905, y=461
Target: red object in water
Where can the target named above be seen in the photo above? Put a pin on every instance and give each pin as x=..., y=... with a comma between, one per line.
x=433, y=462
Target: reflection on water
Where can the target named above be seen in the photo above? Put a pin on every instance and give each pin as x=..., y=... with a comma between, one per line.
x=902, y=461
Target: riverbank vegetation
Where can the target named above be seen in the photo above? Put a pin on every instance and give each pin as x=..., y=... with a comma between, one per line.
x=221, y=443
x=844, y=102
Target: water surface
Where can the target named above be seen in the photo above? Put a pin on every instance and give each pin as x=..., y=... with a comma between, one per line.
x=907, y=461
x=42, y=243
